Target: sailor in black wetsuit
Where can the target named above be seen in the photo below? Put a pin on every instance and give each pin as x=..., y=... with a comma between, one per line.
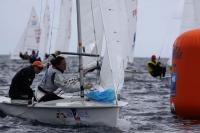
x=21, y=82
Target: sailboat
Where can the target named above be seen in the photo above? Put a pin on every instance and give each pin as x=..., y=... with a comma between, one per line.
x=30, y=39
x=108, y=39
x=131, y=15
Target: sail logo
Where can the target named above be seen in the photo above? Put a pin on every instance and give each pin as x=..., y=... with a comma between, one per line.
x=37, y=35
x=134, y=13
x=33, y=22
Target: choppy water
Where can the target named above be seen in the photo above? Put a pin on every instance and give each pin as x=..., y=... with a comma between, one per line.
x=148, y=107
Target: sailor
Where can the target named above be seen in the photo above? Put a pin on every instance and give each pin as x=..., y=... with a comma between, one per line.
x=34, y=56
x=155, y=68
x=54, y=80
x=21, y=82
x=48, y=58
x=24, y=56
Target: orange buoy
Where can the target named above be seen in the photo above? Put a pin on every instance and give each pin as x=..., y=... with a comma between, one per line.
x=185, y=87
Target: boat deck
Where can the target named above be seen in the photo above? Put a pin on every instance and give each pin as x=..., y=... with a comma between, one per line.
x=68, y=102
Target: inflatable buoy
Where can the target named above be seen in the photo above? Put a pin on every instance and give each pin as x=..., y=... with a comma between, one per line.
x=185, y=80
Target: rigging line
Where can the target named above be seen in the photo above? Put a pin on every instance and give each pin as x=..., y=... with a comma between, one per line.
x=52, y=23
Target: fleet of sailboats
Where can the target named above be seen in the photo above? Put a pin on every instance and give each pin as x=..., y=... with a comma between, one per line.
x=105, y=29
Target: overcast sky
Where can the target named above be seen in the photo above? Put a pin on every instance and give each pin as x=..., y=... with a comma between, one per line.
x=158, y=24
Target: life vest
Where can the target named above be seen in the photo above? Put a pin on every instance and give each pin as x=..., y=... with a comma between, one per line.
x=150, y=67
x=154, y=68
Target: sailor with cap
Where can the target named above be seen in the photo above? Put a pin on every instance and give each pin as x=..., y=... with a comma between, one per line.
x=21, y=82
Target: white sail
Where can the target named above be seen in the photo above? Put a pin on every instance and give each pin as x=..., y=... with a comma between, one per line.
x=31, y=37
x=64, y=28
x=191, y=17
x=45, y=29
x=131, y=11
x=112, y=72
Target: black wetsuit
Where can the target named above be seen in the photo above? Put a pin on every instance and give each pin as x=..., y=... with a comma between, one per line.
x=21, y=82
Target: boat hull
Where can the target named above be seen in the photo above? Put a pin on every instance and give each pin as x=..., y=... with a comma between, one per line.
x=64, y=115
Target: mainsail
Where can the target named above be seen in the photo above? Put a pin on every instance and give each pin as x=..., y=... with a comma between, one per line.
x=108, y=30
x=31, y=37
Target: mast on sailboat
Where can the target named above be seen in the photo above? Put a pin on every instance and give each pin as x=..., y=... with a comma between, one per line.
x=80, y=47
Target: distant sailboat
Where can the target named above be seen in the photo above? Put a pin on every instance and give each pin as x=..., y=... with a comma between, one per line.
x=30, y=38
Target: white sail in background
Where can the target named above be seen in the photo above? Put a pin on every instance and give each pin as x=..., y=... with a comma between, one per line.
x=127, y=14
x=45, y=29
x=197, y=12
x=131, y=8
x=31, y=37
x=64, y=28
x=191, y=16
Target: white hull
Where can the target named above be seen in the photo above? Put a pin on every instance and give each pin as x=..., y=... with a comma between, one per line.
x=64, y=112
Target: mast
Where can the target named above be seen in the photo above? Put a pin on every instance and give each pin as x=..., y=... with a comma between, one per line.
x=80, y=47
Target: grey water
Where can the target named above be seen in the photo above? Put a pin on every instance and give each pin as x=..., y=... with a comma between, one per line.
x=148, y=109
